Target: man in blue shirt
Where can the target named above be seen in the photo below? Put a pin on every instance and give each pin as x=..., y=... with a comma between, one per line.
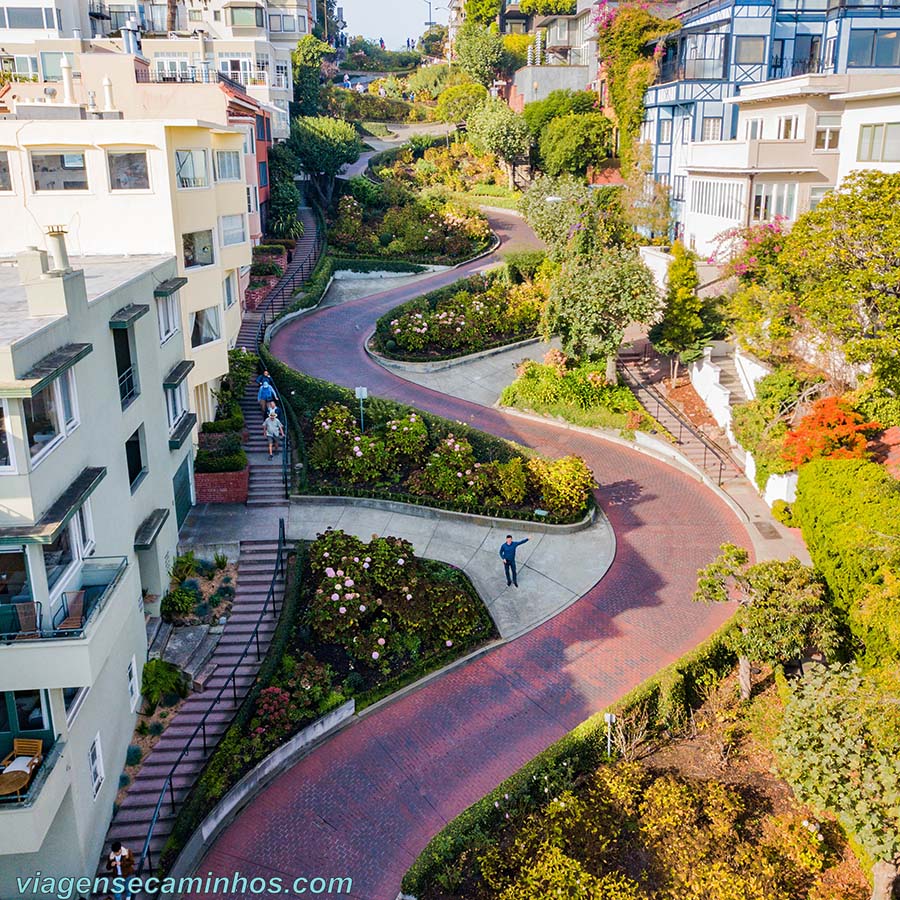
x=508, y=555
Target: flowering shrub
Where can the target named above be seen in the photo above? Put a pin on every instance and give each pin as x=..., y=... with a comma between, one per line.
x=832, y=429
x=457, y=167
x=749, y=252
x=479, y=316
x=564, y=484
x=452, y=473
x=383, y=606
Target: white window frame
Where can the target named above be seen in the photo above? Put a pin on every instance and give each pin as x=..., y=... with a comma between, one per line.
x=128, y=190
x=50, y=151
x=665, y=131
x=9, y=190
x=821, y=192
x=95, y=765
x=194, y=154
x=85, y=519
x=273, y=21
x=172, y=308
x=789, y=128
x=774, y=194
x=10, y=444
x=66, y=427
x=224, y=233
x=231, y=154
x=134, y=689
x=753, y=128
x=212, y=239
x=177, y=406
x=706, y=119
x=219, y=326
x=77, y=703
x=229, y=290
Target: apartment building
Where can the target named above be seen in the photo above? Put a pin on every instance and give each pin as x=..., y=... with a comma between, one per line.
x=786, y=157
x=133, y=186
x=870, y=130
x=249, y=43
x=723, y=47
x=95, y=478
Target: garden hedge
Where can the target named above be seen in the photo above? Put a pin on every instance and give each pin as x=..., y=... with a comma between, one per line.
x=307, y=395
x=668, y=696
x=224, y=769
x=849, y=511
x=233, y=420
x=215, y=461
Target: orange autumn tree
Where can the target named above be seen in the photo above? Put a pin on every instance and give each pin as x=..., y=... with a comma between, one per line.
x=832, y=428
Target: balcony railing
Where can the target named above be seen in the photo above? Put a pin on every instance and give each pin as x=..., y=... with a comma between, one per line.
x=187, y=75
x=29, y=795
x=128, y=388
x=787, y=68
x=98, y=10
x=96, y=582
x=692, y=69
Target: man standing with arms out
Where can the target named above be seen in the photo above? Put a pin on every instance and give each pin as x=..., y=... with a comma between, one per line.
x=508, y=555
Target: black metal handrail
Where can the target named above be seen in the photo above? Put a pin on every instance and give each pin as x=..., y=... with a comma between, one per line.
x=146, y=858
x=719, y=453
x=276, y=303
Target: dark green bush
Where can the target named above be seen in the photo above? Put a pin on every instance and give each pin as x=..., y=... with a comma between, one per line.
x=261, y=269
x=156, y=729
x=133, y=755
x=124, y=781
x=213, y=461
x=268, y=250
x=523, y=265
x=159, y=679
x=184, y=566
x=179, y=602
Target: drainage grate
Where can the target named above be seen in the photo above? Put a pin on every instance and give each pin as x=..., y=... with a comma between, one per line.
x=768, y=531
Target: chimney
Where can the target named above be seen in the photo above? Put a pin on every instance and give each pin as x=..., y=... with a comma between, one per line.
x=32, y=264
x=76, y=34
x=56, y=235
x=68, y=84
x=92, y=101
x=108, y=104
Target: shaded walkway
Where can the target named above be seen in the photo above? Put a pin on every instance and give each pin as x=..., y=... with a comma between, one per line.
x=366, y=804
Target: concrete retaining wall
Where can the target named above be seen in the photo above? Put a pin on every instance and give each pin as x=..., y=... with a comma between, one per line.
x=749, y=370
x=253, y=783
x=402, y=365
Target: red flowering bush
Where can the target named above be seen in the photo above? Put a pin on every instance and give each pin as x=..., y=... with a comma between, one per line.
x=749, y=252
x=831, y=429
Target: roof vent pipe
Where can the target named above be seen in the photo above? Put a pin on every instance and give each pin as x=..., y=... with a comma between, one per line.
x=67, y=82
x=108, y=104
x=57, y=238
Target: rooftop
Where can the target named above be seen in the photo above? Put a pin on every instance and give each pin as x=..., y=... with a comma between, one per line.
x=102, y=274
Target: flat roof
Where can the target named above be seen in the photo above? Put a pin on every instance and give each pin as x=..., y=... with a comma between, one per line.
x=102, y=274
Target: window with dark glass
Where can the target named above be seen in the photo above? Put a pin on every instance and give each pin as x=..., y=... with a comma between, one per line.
x=29, y=712
x=198, y=249
x=58, y=556
x=5, y=178
x=24, y=17
x=14, y=586
x=59, y=172
x=134, y=458
x=128, y=171
x=263, y=174
x=869, y=47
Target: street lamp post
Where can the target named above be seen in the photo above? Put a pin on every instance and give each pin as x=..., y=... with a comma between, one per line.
x=362, y=394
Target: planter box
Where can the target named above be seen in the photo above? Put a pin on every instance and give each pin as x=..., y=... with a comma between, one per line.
x=222, y=487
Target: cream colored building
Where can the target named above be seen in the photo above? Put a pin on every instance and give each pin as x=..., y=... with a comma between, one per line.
x=95, y=477
x=135, y=186
x=787, y=156
x=249, y=42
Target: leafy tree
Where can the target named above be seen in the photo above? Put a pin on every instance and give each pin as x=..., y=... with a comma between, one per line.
x=647, y=200
x=679, y=335
x=838, y=748
x=284, y=195
x=326, y=19
x=783, y=608
x=494, y=128
x=876, y=617
x=455, y=104
x=843, y=258
x=323, y=146
x=515, y=52
x=593, y=301
x=479, y=52
x=548, y=7
x=427, y=82
x=572, y=143
x=831, y=428
x=307, y=58
x=434, y=41
x=557, y=103
x=482, y=12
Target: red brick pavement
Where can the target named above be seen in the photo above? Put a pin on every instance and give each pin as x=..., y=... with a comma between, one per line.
x=365, y=804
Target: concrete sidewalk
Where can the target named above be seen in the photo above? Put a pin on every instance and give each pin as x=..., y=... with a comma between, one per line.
x=554, y=570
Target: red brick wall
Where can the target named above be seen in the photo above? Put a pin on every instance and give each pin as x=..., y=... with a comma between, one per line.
x=222, y=487
x=253, y=299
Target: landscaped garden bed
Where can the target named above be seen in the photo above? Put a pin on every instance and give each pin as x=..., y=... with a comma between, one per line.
x=576, y=393
x=391, y=221
x=475, y=314
x=360, y=620
x=201, y=591
x=415, y=457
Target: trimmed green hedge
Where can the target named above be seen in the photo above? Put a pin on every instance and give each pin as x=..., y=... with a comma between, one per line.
x=232, y=420
x=669, y=696
x=224, y=768
x=208, y=461
x=307, y=395
x=849, y=511
x=262, y=269
x=344, y=263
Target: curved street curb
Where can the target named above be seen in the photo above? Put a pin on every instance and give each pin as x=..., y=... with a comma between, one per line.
x=402, y=365
x=435, y=512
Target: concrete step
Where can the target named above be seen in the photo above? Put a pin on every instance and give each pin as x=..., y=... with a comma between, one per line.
x=183, y=644
x=153, y=625
x=201, y=679
x=160, y=639
x=201, y=656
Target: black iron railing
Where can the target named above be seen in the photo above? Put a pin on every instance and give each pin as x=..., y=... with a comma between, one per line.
x=716, y=459
x=270, y=609
x=279, y=299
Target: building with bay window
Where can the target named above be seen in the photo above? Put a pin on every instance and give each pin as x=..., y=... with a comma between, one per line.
x=127, y=182
x=95, y=479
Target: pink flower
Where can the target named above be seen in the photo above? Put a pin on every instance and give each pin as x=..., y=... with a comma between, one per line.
x=375, y=654
x=381, y=642
x=335, y=596
x=342, y=610
x=348, y=582
x=400, y=562
x=329, y=572
x=362, y=607
x=449, y=643
x=365, y=565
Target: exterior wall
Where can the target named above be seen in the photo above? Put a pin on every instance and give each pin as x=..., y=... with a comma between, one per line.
x=537, y=82
x=222, y=487
x=865, y=111
x=61, y=832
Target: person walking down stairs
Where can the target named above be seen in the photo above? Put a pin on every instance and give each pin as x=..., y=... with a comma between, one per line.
x=272, y=431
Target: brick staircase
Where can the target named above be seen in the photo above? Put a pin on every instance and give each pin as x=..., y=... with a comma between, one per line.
x=132, y=821
x=266, y=486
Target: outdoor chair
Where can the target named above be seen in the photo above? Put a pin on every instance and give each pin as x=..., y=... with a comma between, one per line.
x=74, y=601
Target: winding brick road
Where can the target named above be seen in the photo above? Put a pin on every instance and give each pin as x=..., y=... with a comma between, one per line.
x=368, y=801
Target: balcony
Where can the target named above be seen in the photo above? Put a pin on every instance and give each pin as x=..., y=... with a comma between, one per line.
x=94, y=584
x=691, y=70
x=128, y=386
x=98, y=10
x=789, y=68
x=25, y=821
